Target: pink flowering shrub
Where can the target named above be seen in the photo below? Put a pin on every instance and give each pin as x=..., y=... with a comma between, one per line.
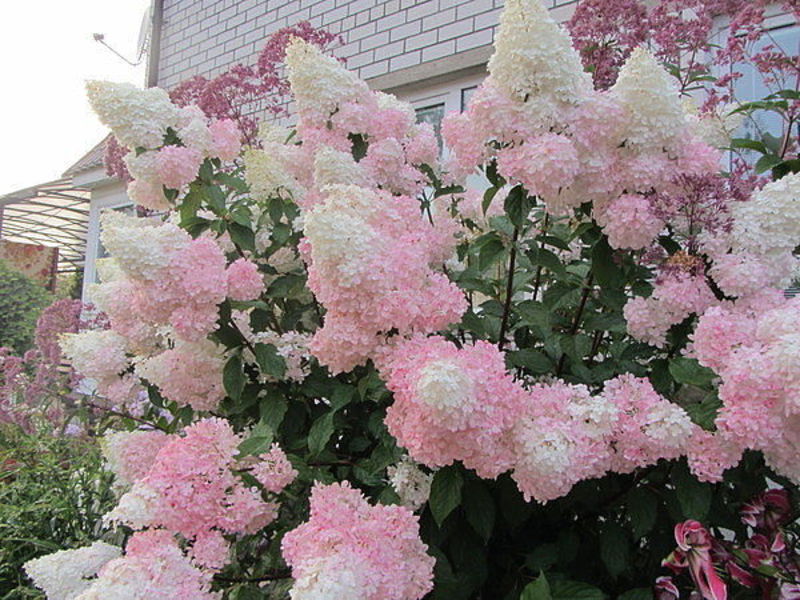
x=348, y=548
x=337, y=367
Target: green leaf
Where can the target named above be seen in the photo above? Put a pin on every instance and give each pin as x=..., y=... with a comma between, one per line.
x=517, y=205
x=242, y=236
x=606, y=272
x=614, y=548
x=694, y=496
x=259, y=441
x=479, y=508
x=767, y=162
x=269, y=361
x=548, y=260
x=490, y=251
x=320, y=433
x=233, y=377
x=689, y=371
x=359, y=146
x=749, y=144
x=533, y=360
x=445, y=492
x=272, y=409
x=574, y=590
x=538, y=590
x=642, y=508
x=488, y=196
x=704, y=412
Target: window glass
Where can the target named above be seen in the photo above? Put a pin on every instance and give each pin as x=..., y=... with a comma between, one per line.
x=466, y=95
x=752, y=86
x=433, y=114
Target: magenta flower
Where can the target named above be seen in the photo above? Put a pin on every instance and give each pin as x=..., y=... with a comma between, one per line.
x=694, y=551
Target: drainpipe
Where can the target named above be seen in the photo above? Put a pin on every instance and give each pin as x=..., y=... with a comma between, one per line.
x=155, y=43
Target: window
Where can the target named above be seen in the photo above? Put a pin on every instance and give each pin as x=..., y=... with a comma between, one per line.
x=751, y=85
x=433, y=115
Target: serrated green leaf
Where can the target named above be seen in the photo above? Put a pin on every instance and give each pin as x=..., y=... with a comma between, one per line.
x=767, y=162
x=642, y=508
x=242, y=236
x=606, y=272
x=614, y=548
x=538, y=590
x=694, y=496
x=517, y=205
x=272, y=410
x=689, y=371
x=320, y=433
x=533, y=360
x=488, y=196
x=479, y=508
x=269, y=361
x=445, y=492
x=489, y=252
x=233, y=378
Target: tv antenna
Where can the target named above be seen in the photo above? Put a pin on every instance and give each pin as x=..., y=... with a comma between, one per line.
x=142, y=45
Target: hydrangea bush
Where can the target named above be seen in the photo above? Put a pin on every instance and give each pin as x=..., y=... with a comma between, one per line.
x=367, y=379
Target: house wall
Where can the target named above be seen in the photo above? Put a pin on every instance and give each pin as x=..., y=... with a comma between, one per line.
x=381, y=37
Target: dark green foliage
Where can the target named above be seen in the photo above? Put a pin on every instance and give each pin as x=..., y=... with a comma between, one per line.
x=21, y=301
x=53, y=492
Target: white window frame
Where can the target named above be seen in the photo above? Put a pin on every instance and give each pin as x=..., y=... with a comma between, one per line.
x=112, y=197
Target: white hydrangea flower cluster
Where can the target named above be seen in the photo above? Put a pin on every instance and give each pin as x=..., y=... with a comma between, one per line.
x=97, y=354
x=319, y=82
x=334, y=167
x=342, y=238
x=650, y=99
x=669, y=424
x=267, y=172
x=411, y=483
x=714, y=128
x=193, y=130
x=447, y=387
x=534, y=60
x=138, y=117
x=769, y=224
x=141, y=247
x=65, y=574
x=137, y=508
x=329, y=579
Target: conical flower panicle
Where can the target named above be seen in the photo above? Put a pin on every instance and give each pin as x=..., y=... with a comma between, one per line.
x=534, y=61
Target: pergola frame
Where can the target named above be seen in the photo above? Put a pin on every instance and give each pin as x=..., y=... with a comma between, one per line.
x=50, y=214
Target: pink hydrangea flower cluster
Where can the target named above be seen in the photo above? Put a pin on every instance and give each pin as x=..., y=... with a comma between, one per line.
x=189, y=373
x=456, y=404
x=546, y=128
x=371, y=259
x=751, y=345
x=336, y=110
x=191, y=488
x=160, y=279
x=274, y=471
x=677, y=295
x=140, y=119
x=350, y=549
x=153, y=566
x=130, y=454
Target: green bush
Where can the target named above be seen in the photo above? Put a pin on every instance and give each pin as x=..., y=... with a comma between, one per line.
x=21, y=302
x=53, y=493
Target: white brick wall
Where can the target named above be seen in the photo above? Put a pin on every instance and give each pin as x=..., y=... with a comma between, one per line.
x=380, y=36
